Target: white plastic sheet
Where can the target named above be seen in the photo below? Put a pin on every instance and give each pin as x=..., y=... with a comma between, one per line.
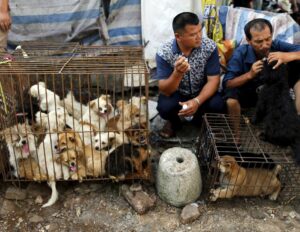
x=157, y=16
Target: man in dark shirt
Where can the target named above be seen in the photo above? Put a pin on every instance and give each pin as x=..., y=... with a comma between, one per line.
x=242, y=78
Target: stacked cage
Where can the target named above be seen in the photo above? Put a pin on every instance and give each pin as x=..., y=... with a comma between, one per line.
x=241, y=164
x=70, y=112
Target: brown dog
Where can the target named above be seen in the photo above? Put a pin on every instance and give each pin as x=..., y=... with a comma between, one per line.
x=239, y=181
x=94, y=160
x=75, y=162
x=29, y=169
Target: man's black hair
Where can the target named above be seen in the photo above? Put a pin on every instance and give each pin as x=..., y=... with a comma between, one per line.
x=258, y=25
x=183, y=19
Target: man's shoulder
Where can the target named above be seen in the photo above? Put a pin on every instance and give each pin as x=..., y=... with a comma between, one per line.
x=241, y=50
x=208, y=43
x=165, y=49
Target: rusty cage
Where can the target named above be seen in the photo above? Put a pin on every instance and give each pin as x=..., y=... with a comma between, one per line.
x=218, y=140
x=72, y=112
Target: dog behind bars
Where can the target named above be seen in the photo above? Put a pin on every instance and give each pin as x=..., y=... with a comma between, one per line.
x=276, y=109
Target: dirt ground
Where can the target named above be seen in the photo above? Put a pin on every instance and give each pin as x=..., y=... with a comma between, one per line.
x=100, y=206
x=94, y=206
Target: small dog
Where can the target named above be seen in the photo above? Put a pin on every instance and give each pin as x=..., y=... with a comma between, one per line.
x=95, y=118
x=56, y=120
x=238, y=181
x=101, y=106
x=94, y=160
x=48, y=100
x=47, y=162
x=127, y=160
x=129, y=116
x=75, y=162
x=109, y=140
x=29, y=169
x=141, y=103
x=276, y=109
x=20, y=143
x=75, y=108
x=137, y=135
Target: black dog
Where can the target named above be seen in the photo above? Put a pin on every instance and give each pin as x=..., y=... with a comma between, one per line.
x=276, y=109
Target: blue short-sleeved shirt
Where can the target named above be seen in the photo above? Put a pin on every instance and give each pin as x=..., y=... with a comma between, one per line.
x=244, y=56
x=204, y=61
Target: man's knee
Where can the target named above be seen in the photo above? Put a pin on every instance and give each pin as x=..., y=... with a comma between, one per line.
x=233, y=105
x=167, y=106
x=217, y=104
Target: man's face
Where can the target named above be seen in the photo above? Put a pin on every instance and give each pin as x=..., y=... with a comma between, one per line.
x=191, y=36
x=261, y=41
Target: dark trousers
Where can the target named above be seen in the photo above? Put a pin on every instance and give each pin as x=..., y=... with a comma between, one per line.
x=168, y=107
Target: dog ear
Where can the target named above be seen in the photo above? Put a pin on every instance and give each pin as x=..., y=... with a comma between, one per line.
x=92, y=103
x=120, y=104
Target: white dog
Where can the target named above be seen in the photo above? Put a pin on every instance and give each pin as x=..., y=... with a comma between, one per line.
x=95, y=118
x=74, y=107
x=109, y=140
x=56, y=120
x=47, y=162
x=48, y=100
x=20, y=143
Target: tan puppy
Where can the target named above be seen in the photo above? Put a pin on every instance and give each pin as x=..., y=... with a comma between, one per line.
x=29, y=169
x=238, y=181
x=75, y=162
x=129, y=115
x=69, y=140
x=94, y=160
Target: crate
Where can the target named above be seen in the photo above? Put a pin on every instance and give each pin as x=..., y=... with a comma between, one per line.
x=218, y=139
x=34, y=111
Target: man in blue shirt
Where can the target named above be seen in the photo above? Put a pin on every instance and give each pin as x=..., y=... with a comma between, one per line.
x=188, y=70
x=242, y=81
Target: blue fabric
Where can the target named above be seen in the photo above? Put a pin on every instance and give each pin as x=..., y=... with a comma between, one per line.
x=244, y=56
x=204, y=61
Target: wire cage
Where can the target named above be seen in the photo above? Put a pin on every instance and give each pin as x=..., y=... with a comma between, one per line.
x=69, y=112
x=240, y=164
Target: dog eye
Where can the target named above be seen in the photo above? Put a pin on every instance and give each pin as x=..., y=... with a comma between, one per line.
x=137, y=115
x=96, y=140
x=103, y=143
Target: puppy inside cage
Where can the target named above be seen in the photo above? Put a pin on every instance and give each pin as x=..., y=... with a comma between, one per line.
x=248, y=168
x=73, y=119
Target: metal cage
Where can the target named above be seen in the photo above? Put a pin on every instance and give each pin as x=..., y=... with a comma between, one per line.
x=218, y=139
x=53, y=94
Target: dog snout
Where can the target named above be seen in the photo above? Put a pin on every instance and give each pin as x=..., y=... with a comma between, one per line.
x=24, y=142
x=97, y=148
x=73, y=164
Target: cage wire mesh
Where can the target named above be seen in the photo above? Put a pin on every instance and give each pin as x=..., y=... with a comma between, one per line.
x=219, y=139
x=69, y=112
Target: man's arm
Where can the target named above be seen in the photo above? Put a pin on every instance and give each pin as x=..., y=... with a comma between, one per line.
x=208, y=90
x=5, y=20
x=244, y=78
x=170, y=85
x=283, y=57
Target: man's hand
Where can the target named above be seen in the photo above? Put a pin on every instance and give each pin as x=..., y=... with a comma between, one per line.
x=192, y=107
x=5, y=20
x=256, y=68
x=280, y=57
x=181, y=65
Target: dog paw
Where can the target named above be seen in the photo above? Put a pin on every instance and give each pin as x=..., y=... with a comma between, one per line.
x=214, y=194
x=273, y=197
